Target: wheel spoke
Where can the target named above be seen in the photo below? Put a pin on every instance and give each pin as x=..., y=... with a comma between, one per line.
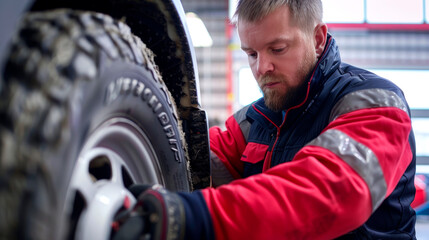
x=82, y=181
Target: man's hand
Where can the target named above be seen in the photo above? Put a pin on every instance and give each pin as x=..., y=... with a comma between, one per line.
x=158, y=214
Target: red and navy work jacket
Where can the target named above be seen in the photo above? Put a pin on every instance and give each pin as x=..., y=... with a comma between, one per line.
x=339, y=164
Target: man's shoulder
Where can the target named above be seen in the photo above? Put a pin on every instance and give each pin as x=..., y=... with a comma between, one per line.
x=241, y=115
x=361, y=78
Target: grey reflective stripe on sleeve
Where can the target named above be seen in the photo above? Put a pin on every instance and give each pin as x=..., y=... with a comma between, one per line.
x=240, y=118
x=367, y=98
x=359, y=157
x=219, y=173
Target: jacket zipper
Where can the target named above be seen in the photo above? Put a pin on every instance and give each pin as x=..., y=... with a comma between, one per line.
x=267, y=160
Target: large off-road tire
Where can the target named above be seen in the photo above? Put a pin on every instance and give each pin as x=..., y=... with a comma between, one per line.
x=83, y=115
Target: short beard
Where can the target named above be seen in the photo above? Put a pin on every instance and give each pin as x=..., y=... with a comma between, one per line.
x=277, y=101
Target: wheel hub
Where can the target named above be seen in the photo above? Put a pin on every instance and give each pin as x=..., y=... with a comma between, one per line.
x=116, y=155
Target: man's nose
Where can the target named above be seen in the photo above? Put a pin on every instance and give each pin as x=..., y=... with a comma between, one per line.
x=264, y=65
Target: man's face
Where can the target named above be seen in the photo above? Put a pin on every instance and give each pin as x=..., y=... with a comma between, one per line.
x=281, y=57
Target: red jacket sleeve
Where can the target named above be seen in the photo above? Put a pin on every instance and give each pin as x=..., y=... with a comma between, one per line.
x=319, y=194
x=228, y=146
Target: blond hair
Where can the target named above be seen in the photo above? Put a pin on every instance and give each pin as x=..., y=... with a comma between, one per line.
x=305, y=13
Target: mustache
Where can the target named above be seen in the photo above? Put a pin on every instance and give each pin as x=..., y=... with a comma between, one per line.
x=269, y=78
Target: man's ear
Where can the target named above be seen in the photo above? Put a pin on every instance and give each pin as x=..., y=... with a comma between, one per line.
x=320, y=35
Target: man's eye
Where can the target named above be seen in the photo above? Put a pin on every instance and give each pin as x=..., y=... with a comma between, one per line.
x=252, y=54
x=278, y=50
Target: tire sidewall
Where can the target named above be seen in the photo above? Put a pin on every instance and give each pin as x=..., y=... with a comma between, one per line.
x=130, y=91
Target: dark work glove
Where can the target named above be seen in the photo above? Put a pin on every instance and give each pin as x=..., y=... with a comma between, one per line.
x=158, y=214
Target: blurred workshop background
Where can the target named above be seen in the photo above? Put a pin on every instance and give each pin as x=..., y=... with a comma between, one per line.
x=388, y=37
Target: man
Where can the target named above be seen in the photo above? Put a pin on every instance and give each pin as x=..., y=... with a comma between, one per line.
x=328, y=152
